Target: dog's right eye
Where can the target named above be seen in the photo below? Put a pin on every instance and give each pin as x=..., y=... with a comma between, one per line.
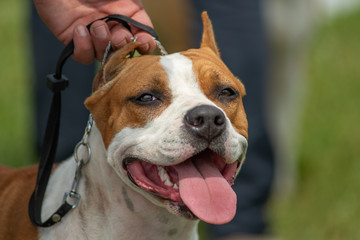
x=146, y=99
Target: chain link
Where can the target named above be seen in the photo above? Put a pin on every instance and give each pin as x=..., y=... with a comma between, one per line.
x=107, y=50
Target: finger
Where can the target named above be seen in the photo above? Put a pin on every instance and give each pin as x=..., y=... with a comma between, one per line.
x=100, y=34
x=83, y=46
x=120, y=36
x=148, y=44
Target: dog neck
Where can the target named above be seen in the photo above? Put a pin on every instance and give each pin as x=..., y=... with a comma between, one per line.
x=109, y=209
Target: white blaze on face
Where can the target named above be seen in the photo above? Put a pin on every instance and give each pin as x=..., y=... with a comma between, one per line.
x=183, y=83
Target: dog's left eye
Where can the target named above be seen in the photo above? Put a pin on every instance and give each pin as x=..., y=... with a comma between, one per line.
x=227, y=94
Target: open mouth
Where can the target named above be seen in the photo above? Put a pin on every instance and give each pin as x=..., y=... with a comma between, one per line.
x=201, y=184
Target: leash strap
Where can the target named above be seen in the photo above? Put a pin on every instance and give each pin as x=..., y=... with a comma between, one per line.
x=56, y=83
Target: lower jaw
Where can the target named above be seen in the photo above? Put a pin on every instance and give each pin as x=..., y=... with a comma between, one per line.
x=180, y=209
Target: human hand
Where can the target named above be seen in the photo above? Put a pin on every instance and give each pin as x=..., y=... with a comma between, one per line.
x=67, y=20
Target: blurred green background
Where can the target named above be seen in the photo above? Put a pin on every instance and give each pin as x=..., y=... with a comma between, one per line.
x=16, y=121
x=324, y=203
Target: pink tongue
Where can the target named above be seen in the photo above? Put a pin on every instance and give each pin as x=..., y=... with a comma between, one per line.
x=205, y=191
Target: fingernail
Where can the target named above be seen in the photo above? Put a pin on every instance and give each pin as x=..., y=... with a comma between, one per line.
x=81, y=30
x=100, y=32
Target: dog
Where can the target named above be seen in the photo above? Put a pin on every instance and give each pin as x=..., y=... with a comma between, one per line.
x=169, y=137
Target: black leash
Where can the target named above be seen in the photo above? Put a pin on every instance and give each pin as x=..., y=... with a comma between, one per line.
x=56, y=83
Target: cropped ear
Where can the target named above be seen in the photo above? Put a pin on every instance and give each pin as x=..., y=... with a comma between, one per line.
x=103, y=79
x=208, y=37
x=113, y=65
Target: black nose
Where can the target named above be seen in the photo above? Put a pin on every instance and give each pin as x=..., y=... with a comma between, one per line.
x=205, y=121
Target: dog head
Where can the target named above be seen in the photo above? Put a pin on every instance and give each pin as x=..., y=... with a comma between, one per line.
x=174, y=127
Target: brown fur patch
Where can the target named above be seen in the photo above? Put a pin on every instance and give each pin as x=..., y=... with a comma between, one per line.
x=16, y=188
x=113, y=106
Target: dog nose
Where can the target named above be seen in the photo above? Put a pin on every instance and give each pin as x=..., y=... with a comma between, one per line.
x=205, y=121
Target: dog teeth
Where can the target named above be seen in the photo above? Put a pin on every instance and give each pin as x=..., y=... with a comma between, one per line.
x=176, y=186
x=168, y=183
x=164, y=176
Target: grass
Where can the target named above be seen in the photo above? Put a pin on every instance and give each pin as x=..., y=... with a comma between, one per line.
x=16, y=122
x=326, y=203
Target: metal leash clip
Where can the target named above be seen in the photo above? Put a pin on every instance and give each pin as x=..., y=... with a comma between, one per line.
x=72, y=197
